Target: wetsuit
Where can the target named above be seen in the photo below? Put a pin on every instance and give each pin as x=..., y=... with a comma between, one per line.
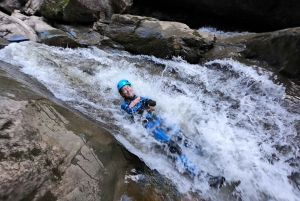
x=139, y=108
x=154, y=124
x=148, y=118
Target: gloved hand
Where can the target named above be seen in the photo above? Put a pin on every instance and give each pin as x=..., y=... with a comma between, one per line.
x=150, y=102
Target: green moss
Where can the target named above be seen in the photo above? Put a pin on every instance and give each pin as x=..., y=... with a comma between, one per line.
x=35, y=151
x=61, y=162
x=16, y=154
x=4, y=136
x=57, y=174
x=30, y=197
x=195, y=33
x=49, y=196
x=48, y=162
x=54, y=9
x=58, y=4
x=2, y=156
x=149, y=19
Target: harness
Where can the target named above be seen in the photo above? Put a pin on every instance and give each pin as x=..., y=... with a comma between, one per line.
x=146, y=112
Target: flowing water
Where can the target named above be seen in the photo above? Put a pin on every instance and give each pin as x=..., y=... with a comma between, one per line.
x=236, y=113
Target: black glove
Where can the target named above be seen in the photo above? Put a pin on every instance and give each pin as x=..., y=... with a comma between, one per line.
x=150, y=102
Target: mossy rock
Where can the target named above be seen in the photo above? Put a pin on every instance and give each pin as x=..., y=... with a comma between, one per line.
x=67, y=10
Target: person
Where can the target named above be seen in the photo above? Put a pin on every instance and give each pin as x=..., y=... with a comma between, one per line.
x=142, y=108
x=134, y=104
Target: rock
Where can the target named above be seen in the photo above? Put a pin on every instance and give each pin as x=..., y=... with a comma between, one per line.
x=107, y=42
x=142, y=35
x=3, y=43
x=11, y=5
x=57, y=38
x=18, y=27
x=226, y=46
x=85, y=35
x=32, y=6
x=99, y=27
x=69, y=11
x=279, y=49
x=11, y=26
x=121, y=6
x=49, y=151
x=37, y=149
x=82, y=11
x=17, y=39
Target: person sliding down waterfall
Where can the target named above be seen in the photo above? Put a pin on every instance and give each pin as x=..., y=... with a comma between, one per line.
x=142, y=106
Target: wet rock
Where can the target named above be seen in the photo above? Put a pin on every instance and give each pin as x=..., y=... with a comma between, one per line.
x=276, y=50
x=32, y=6
x=3, y=43
x=82, y=11
x=10, y=5
x=142, y=35
x=56, y=37
x=226, y=46
x=51, y=152
x=69, y=11
x=85, y=35
x=279, y=49
x=19, y=27
x=100, y=27
x=108, y=42
x=11, y=26
x=17, y=39
x=40, y=149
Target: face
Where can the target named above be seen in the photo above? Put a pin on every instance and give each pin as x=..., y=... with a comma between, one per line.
x=127, y=91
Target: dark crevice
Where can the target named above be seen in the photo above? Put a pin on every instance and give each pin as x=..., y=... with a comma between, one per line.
x=6, y=125
x=243, y=17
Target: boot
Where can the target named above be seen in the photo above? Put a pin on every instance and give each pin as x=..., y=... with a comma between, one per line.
x=216, y=182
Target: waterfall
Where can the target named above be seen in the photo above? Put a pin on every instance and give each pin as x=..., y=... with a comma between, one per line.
x=236, y=113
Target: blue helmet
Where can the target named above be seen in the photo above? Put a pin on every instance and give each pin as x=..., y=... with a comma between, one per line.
x=122, y=83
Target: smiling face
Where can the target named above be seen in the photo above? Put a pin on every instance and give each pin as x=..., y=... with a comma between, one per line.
x=126, y=91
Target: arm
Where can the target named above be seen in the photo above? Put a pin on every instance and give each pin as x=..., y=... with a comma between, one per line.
x=135, y=101
x=136, y=104
x=133, y=106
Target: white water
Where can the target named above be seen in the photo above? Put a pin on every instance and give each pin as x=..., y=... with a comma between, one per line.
x=234, y=112
x=216, y=31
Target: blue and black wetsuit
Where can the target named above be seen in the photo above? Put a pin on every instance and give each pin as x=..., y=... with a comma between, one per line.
x=139, y=108
x=151, y=122
x=154, y=124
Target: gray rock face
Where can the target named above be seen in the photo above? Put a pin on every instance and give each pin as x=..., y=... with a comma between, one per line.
x=35, y=29
x=32, y=6
x=162, y=39
x=51, y=152
x=3, y=43
x=278, y=50
x=11, y=5
x=82, y=11
x=12, y=26
x=38, y=150
x=85, y=35
x=36, y=147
